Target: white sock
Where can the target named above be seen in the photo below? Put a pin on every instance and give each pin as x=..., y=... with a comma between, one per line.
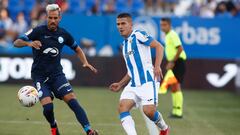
x=159, y=121
x=129, y=125
x=152, y=128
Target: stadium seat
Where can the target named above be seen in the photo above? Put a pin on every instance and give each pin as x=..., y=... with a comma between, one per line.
x=122, y=6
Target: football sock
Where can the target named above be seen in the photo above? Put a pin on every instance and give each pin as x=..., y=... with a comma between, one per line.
x=128, y=123
x=159, y=121
x=152, y=128
x=177, y=100
x=80, y=114
x=49, y=114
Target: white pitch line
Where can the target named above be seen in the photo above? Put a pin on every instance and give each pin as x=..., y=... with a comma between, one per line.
x=61, y=123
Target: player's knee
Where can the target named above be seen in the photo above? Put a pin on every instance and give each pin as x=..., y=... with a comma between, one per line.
x=69, y=96
x=46, y=100
x=149, y=111
x=122, y=108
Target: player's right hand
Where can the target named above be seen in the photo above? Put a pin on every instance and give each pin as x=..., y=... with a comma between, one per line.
x=36, y=44
x=115, y=87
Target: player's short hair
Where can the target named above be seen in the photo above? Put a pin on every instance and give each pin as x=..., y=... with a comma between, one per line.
x=53, y=7
x=166, y=19
x=124, y=15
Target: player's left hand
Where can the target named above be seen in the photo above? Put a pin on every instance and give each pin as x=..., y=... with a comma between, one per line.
x=170, y=65
x=87, y=65
x=158, y=73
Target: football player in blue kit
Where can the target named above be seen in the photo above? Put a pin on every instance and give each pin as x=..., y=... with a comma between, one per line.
x=47, y=42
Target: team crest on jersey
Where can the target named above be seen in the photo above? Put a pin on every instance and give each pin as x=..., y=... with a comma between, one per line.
x=130, y=41
x=129, y=53
x=60, y=40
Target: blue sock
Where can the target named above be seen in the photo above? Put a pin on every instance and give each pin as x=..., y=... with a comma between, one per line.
x=156, y=117
x=80, y=114
x=123, y=115
x=49, y=114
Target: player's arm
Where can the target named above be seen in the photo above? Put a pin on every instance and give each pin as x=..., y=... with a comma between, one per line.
x=159, y=56
x=115, y=87
x=83, y=59
x=70, y=42
x=28, y=39
x=19, y=43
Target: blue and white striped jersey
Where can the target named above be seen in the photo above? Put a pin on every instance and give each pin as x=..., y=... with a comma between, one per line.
x=137, y=55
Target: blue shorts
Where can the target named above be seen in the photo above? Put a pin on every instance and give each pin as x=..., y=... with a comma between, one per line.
x=57, y=86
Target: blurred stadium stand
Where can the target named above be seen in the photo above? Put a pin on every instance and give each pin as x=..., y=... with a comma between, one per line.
x=209, y=29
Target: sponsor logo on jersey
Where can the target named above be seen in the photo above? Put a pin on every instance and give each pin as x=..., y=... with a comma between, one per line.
x=52, y=51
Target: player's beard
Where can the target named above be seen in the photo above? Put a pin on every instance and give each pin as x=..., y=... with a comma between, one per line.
x=53, y=26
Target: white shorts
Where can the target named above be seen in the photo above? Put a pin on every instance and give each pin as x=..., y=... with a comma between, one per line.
x=146, y=94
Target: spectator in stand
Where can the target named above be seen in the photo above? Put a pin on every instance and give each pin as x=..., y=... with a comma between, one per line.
x=20, y=26
x=208, y=8
x=63, y=4
x=3, y=42
x=4, y=4
x=41, y=19
x=109, y=6
x=221, y=10
x=149, y=7
x=7, y=21
x=234, y=12
x=95, y=9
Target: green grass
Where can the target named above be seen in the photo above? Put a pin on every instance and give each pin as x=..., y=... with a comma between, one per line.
x=205, y=113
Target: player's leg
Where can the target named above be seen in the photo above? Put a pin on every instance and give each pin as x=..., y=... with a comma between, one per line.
x=151, y=112
x=128, y=124
x=149, y=99
x=63, y=90
x=49, y=114
x=45, y=98
x=79, y=112
x=152, y=128
x=128, y=100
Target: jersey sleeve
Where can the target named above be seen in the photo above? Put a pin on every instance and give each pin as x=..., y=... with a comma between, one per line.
x=30, y=35
x=176, y=40
x=144, y=38
x=70, y=42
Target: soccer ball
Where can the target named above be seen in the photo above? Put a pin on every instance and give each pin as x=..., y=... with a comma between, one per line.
x=28, y=96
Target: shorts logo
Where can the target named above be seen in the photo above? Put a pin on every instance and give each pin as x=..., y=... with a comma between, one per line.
x=40, y=93
x=149, y=100
x=38, y=85
x=64, y=85
x=52, y=51
x=60, y=40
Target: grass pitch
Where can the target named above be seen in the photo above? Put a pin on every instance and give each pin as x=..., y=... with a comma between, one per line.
x=205, y=113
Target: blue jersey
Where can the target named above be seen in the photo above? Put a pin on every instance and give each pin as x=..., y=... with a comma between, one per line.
x=46, y=60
